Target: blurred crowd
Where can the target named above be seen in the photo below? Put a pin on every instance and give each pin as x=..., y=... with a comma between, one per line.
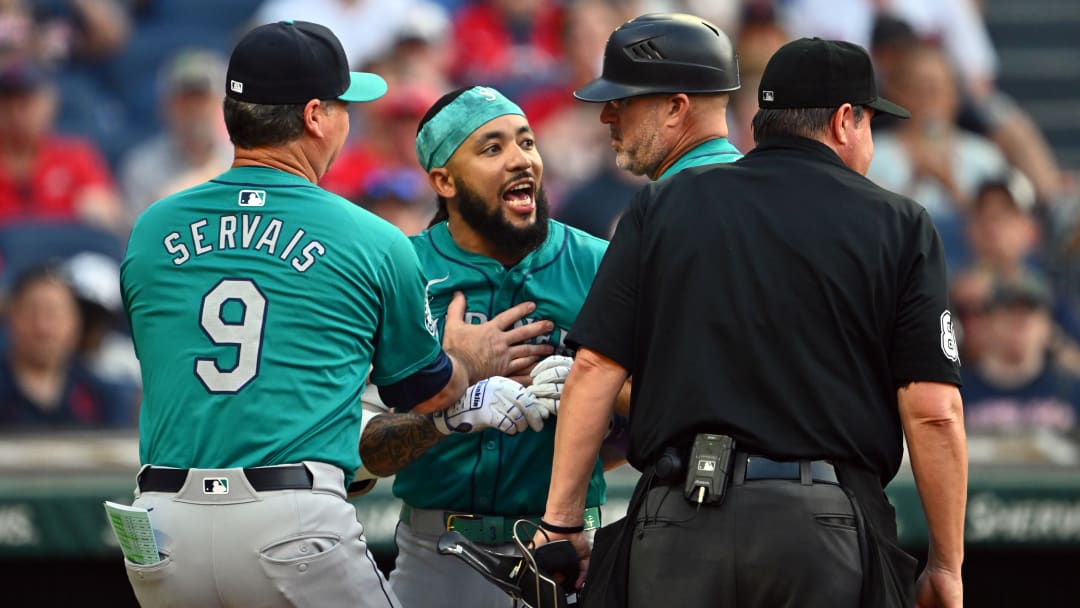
x=108, y=105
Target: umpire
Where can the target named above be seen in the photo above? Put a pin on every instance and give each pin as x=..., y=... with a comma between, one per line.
x=785, y=321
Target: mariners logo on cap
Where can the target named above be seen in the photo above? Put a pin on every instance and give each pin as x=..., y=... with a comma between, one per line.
x=252, y=198
x=215, y=485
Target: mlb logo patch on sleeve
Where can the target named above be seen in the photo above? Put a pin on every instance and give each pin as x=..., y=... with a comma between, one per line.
x=252, y=198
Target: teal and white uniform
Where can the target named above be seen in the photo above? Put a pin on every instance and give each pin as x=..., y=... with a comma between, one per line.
x=489, y=473
x=258, y=303
x=711, y=152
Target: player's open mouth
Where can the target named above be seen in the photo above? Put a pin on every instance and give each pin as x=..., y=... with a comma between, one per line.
x=520, y=196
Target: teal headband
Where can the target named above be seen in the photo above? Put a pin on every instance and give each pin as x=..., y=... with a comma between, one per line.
x=452, y=125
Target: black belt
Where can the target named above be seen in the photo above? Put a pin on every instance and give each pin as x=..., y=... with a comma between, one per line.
x=759, y=467
x=262, y=479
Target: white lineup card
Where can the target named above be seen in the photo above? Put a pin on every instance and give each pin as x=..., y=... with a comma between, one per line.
x=133, y=530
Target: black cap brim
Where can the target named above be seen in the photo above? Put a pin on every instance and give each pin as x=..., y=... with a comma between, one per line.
x=887, y=107
x=601, y=90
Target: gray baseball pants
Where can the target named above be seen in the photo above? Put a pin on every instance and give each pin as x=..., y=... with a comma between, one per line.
x=285, y=548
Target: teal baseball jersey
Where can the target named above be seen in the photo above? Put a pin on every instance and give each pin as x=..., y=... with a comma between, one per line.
x=258, y=303
x=490, y=472
x=711, y=152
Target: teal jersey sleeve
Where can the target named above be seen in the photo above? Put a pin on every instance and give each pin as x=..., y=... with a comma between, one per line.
x=403, y=345
x=491, y=472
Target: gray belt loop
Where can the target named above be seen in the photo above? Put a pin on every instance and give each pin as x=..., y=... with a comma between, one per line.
x=806, y=477
x=142, y=468
x=326, y=478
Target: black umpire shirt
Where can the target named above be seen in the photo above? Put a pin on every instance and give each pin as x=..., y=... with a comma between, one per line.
x=781, y=299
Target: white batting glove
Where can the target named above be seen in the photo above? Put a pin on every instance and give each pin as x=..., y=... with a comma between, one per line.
x=493, y=403
x=548, y=378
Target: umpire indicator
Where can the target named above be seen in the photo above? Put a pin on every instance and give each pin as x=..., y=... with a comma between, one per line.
x=708, y=475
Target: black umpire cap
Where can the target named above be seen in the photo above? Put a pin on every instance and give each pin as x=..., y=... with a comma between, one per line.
x=664, y=53
x=816, y=73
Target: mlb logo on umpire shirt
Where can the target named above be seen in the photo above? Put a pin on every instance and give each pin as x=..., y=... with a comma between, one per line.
x=215, y=485
x=252, y=198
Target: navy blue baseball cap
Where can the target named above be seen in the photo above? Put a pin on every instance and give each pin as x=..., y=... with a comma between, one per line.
x=291, y=62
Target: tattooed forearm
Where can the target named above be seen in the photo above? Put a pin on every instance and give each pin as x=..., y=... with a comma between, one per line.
x=392, y=441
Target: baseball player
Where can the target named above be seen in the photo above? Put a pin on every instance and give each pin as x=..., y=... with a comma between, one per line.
x=492, y=240
x=259, y=303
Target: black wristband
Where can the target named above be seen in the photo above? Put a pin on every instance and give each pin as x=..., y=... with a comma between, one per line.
x=550, y=527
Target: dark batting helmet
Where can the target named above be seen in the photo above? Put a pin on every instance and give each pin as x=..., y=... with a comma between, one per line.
x=664, y=53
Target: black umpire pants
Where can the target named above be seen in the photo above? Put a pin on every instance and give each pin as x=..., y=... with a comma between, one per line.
x=770, y=544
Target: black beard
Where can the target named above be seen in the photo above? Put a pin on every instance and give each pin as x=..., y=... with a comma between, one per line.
x=507, y=240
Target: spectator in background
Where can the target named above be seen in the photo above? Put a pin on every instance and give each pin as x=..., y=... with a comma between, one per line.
x=422, y=53
x=42, y=384
x=726, y=14
x=42, y=175
x=955, y=25
x=597, y=205
x=969, y=293
x=105, y=347
x=928, y=158
x=367, y=28
x=1017, y=385
x=17, y=34
x=401, y=197
x=1003, y=232
x=56, y=32
x=1005, y=236
x=891, y=39
x=512, y=45
x=194, y=147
